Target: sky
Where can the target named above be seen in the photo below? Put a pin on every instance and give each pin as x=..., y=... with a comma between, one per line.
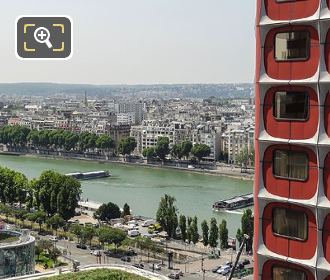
x=139, y=42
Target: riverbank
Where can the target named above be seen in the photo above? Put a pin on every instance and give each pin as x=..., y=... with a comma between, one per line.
x=220, y=170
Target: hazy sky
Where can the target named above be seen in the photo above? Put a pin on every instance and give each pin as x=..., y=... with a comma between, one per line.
x=139, y=41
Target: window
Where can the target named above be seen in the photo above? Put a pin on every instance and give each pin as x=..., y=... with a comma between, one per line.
x=292, y=45
x=291, y=105
x=286, y=273
x=290, y=223
x=290, y=165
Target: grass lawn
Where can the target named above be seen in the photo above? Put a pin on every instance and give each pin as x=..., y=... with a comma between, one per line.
x=7, y=238
x=98, y=274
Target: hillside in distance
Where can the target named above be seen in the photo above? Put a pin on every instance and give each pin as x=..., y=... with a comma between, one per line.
x=224, y=91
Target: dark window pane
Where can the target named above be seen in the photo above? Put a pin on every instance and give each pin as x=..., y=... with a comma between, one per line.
x=292, y=45
x=291, y=105
x=285, y=273
x=290, y=223
x=290, y=164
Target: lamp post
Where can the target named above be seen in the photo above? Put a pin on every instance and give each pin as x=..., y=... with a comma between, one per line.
x=245, y=238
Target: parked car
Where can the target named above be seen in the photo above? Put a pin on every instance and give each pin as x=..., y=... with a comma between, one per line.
x=139, y=265
x=112, y=254
x=229, y=264
x=225, y=269
x=53, y=239
x=96, y=253
x=81, y=246
x=148, y=223
x=133, y=233
x=126, y=259
x=130, y=253
x=174, y=275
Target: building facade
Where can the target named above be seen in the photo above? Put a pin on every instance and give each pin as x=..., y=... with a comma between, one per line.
x=292, y=179
x=17, y=257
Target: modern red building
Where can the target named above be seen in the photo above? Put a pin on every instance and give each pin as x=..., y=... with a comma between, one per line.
x=292, y=178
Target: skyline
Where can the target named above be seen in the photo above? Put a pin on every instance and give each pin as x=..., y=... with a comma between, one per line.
x=135, y=54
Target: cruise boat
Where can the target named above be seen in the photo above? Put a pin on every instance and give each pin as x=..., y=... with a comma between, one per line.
x=89, y=175
x=234, y=203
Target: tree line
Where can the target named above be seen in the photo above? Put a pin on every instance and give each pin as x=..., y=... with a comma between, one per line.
x=20, y=136
x=52, y=194
x=178, y=151
x=212, y=234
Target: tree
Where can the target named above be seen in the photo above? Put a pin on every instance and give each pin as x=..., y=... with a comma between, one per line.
x=111, y=235
x=87, y=234
x=183, y=227
x=55, y=222
x=77, y=231
x=162, y=147
x=243, y=157
x=186, y=147
x=194, y=231
x=105, y=143
x=214, y=233
x=127, y=146
x=107, y=212
x=223, y=234
x=56, y=193
x=149, y=153
x=247, y=228
x=166, y=215
x=54, y=253
x=176, y=151
x=200, y=151
x=126, y=210
x=37, y=217
x=205, y=233
x=38, y=250
x=239, y=236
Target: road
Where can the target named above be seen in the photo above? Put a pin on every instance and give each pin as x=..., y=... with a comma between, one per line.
x=192, y=271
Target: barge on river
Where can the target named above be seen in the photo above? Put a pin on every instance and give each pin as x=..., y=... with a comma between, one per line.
x=89, y=175
x=234, y=203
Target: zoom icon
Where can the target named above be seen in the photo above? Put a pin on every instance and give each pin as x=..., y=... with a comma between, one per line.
x=44, y=37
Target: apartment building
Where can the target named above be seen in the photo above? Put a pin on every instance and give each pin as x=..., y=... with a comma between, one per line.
x=292, y=176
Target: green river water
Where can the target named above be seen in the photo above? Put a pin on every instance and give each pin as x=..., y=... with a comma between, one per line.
x=141, y=187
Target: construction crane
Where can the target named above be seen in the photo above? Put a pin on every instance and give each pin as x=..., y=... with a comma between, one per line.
x=245, y=238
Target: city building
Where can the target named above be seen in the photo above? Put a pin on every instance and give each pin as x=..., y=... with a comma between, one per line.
x=131, y=107
x=292, y=176
x=16, y=255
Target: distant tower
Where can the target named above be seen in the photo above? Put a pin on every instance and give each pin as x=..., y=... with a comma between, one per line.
x=85, y=101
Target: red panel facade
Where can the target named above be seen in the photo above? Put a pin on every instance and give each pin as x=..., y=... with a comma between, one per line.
x=326, y=238
x=327, y=114
x=289, y=129
x=292, y=70
x=326, y=176
x=290, y=9
x=284, y=246
x=290, y=188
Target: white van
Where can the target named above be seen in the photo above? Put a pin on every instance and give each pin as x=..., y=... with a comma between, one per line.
x=133, y=233
x=148, y=223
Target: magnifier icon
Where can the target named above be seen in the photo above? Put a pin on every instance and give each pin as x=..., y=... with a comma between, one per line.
x=42, y=35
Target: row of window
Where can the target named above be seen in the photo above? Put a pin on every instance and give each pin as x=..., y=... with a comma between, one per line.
x=290, y=48
x=291, y=231
x=291, y=9
x=278, y=270
x=292, y=112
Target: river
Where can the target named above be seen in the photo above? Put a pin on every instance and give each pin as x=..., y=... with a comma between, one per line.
x=141, y=187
